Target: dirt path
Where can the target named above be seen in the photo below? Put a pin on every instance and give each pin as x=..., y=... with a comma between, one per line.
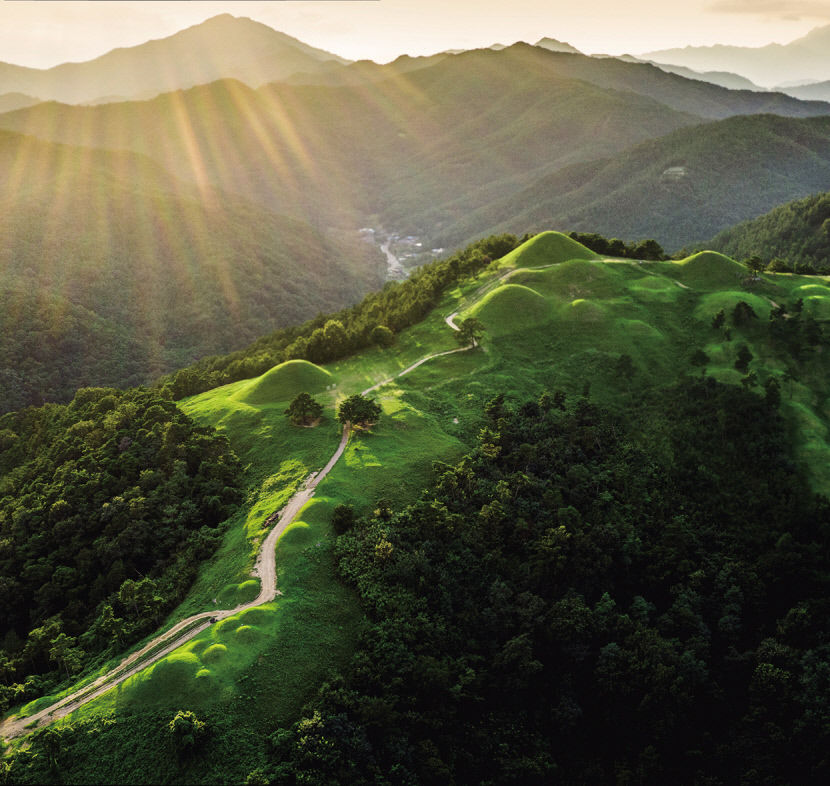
x=265, y=569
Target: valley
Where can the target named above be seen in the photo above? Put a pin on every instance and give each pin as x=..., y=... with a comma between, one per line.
x=580, y=532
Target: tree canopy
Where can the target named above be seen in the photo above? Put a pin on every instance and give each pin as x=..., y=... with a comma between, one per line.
x=357, y=409
x=107, y=507
x=470, y=331
x=304, y=410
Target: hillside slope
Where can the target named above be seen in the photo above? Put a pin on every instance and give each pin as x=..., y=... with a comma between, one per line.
x=616, y=335
x=797, y=233
x=679, y=190
x=114, y=272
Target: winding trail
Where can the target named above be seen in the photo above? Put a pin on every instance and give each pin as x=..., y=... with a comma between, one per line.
x=265, y=569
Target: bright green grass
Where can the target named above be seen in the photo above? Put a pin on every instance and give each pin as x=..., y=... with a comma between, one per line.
x=546, y=248
x=284, y=381
x=564, y=326
x=711, y=304
x=511, y=308
x=710, y=270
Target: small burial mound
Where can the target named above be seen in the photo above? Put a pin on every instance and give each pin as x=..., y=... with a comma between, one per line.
x=511, y=308
x=710, y=270
x=285, y=381
x=547, y=248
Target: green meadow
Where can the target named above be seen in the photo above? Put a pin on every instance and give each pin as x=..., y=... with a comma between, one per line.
x=556, y=317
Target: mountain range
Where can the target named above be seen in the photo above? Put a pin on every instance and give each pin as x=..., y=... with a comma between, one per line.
x=223, y=46
x=225, y=210
x=801, y=60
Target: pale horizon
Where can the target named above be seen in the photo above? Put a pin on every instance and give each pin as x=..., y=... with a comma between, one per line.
x=45, y=34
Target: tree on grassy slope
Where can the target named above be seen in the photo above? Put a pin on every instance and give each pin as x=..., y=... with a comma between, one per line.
x=470, y=332
x=304, y=410
x=358, y=409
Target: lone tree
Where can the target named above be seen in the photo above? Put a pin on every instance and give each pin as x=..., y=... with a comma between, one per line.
x=755, y=265
x=469, y=332
x=744, y=358
x=358, y=410
x=304, y=410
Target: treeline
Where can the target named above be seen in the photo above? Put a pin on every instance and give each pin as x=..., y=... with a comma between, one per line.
x=107, y=507
x=792, y=238
x=569, y=605
x=373, y=321
x=643, y=249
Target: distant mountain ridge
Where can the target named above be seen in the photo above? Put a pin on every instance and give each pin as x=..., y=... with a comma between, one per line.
x=239, y=48
x=679, y=189
x=805, y=58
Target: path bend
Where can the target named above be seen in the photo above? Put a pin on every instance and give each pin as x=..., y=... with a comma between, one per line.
x=264, y=569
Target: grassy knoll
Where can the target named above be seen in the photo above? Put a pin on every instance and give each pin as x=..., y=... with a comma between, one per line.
x=613, y=329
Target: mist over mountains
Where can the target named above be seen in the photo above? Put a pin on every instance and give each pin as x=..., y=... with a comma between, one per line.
x=807, y=58
x=223, y=46
x=228, y=203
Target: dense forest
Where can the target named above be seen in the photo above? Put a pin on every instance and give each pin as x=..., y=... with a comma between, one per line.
x=644, y=249
x=570, y=603
x=107, y=507
x=794, y=237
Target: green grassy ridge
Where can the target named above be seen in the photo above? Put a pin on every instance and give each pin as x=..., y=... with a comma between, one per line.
x=277, y=457
x=586, y=314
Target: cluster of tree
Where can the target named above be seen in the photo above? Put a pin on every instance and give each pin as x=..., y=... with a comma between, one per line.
x=571, y=603
x=795, y=237
x=643, y=249
x=107, y=507
x=792, y=333
x=372, y=322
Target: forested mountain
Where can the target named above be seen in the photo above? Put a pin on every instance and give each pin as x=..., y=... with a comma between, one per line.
x=112, y=271
x=679, y=189
x=221, y=47
x=397, y=146
x=797, y=234
x=406, y=145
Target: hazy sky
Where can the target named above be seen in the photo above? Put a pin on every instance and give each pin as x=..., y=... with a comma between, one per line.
x=42, y=33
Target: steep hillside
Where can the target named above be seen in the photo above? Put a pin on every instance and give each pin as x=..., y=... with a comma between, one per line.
x=223, y=46
x=797, y=233
x=114, y=272
x=566, y=506
x=679, y=189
